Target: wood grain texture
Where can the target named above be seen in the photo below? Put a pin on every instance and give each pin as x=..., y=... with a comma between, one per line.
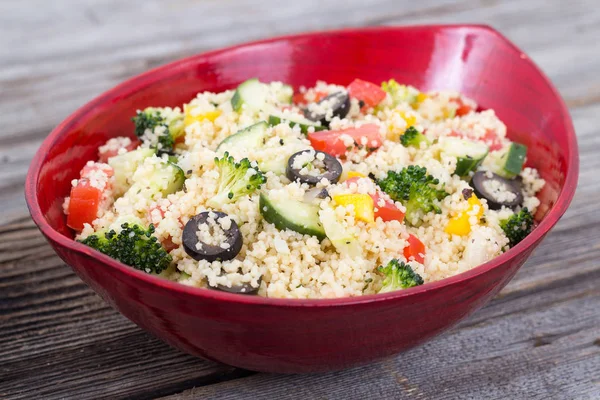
x=539, y=339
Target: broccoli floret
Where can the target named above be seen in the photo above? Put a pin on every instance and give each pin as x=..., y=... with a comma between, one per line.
x=398, y=275
x=400, y=93
x=415, y=189
x=159, y=127
x=517, y=226
x=236, y=179
x=412, y=137
x=133, y=245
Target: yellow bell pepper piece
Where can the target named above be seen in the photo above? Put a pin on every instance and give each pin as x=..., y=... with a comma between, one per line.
x=474, y=201
x=354, y=174
x=460, y=225
x=363, y=205
x=394, y=131
x=410, y=120
x=190, y=119
x=421, y=97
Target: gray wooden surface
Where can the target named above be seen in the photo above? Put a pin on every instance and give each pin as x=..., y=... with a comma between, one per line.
x=539, y=339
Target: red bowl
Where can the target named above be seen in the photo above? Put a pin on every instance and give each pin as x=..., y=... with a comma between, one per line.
x=280, y=335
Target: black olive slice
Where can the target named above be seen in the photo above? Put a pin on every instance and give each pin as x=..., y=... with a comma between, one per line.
x=244, y=288
x=198, y=250
x=330, y=164
x=338, y=103
x=498, y=191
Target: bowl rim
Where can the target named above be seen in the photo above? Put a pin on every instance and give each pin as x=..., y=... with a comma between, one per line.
x=560, y=206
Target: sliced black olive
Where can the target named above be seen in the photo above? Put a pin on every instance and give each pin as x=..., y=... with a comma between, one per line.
x=338, y=102
x=244, y=288
x=331, y=165
x=491, y=188
x=211, y=252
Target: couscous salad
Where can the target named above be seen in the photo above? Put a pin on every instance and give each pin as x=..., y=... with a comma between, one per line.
x=328, y=191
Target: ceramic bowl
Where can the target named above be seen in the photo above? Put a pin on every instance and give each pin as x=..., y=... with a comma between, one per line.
x=286, y=335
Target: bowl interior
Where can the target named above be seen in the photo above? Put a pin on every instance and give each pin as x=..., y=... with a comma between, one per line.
x=474, y=60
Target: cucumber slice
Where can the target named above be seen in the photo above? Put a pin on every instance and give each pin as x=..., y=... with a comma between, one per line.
x=251, y=93
x=343, y=241
x=169, y=179
x=252, y=137
x=469, y=154
x=292, y=214
x=153, y=178
x=304, y=123
x=285, y=94
x=511, y=163
x=125, y=165
x=276, y=164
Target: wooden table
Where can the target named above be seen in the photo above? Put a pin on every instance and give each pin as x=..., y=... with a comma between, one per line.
x=538, y=339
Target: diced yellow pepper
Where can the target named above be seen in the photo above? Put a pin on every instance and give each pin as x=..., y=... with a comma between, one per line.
x=363, y=205
x=394, y=131
x=190, y=119
x=421, y=97
x=474, y=201
x=410, y=120
x=354, y=174
x=460, y=225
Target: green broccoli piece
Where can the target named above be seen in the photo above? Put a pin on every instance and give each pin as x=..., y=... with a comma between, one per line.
x=160, y=127
x=412, y=137
x=415, y=189
x=517, y=226
x=398, y=275
x=133, y=245
x=236, y=179
x=400, y=93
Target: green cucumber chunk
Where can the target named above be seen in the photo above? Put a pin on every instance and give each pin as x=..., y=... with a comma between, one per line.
x=169, y=179
x=251, y=137
x=125, y=165
x=251, y=93
x=469, y=154
x=304, y=123
x=343, y=241
x=156, y=176
x=292, y=214
x=511, y=163
x=285, y=94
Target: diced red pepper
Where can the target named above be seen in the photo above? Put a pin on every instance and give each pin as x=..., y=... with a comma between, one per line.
x=153, y=210
x=415, y=249
x=168, y=243
x=300, y=98
x=389, y=212
x=463, y=109
x=84, y=198
x=83, y=204
x=490, y=138
x=332, y=142
x=368, y=92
